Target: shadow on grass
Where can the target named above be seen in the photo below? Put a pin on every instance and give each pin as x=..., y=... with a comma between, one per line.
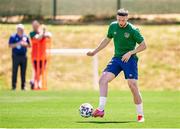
x=104, y=122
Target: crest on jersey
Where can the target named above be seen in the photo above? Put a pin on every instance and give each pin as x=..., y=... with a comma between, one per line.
x=126, y=35
x=115, y=33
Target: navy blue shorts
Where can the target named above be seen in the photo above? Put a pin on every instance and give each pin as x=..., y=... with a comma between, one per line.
x=129, y=68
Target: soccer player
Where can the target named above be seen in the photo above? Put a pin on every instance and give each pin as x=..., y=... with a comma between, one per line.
x=19, y=43
x=125, y=37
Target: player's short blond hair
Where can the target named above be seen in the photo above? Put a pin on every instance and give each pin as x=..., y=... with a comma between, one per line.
x=122, y=12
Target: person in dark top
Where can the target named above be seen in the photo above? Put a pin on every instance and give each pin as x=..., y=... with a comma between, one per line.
x=19, y=42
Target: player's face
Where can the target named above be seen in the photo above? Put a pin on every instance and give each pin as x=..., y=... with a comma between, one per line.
x=122, y=20
x=35, y=26
x=20, y=31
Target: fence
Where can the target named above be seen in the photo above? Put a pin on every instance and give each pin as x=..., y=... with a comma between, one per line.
x=50, y=8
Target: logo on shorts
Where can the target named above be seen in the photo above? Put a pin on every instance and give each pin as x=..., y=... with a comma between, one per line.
x=126, y=35
x=110, y=63
x=115, y=33
x=130, y=75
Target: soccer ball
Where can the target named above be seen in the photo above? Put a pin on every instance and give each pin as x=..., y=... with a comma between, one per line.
x=86, y=110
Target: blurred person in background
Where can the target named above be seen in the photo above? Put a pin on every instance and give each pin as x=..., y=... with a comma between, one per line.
x=19, y=42
x=38, y=53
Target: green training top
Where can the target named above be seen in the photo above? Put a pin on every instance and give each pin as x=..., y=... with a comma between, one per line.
x=125, y=39
x=32, y=34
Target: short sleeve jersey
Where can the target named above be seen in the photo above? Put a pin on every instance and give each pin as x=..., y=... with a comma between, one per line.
x=19, y=50
x=125, y=39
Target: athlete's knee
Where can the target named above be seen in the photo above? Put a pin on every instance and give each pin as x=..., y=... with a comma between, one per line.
x=106, y=78
x=103, y=81
x=132, y=84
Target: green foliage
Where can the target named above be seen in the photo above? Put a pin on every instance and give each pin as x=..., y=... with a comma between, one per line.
x=86, y=7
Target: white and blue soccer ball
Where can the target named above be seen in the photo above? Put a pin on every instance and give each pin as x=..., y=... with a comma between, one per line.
x=86, y=110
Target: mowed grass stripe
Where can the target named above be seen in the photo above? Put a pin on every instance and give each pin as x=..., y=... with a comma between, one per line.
x=60, y=110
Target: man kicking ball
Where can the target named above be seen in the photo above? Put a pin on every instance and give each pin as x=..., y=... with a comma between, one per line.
x=125, y=37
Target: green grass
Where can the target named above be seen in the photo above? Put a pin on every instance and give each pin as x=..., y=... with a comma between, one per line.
x=47, y=109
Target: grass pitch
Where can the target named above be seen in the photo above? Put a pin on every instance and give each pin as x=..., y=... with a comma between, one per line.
x=49, y=109
x=159, y=70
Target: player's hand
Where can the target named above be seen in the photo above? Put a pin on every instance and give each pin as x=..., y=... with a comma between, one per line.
x=24, y=43
x=43, y=28
x=90, y=53
x=126, y=57
x=18, y=44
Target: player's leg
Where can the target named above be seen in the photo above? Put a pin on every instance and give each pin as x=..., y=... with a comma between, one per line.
x=135, y=91
x=136, y=95
x=103, y=86
x=111, y=71
x=32, y=78
x=15, y=64
x=131, y=74
x=36, y=65
x=23, y=67
x=41, y=72
x=137, y=98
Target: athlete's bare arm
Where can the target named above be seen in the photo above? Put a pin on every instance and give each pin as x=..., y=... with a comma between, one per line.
x=101, y=46
x=142, y=46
